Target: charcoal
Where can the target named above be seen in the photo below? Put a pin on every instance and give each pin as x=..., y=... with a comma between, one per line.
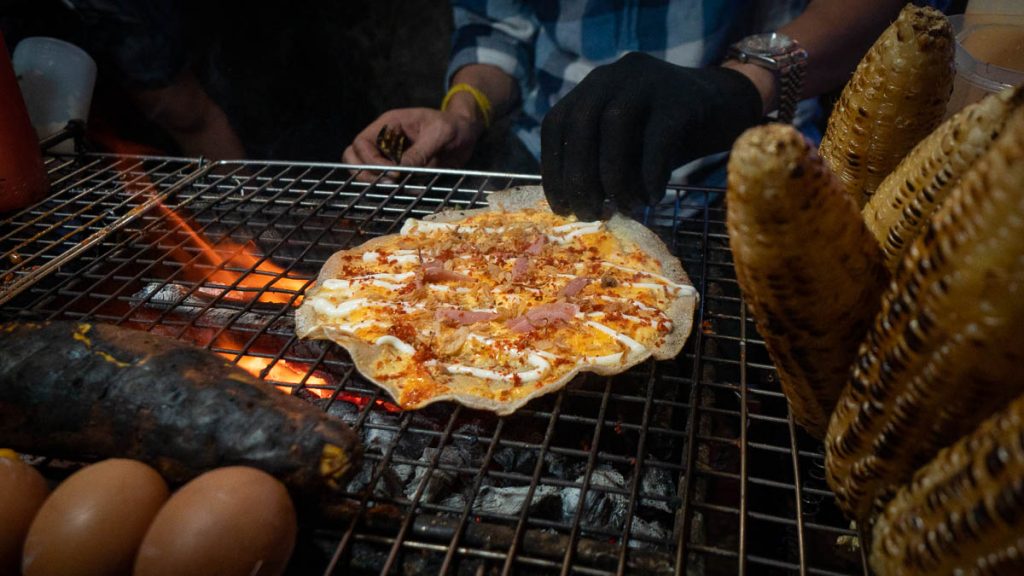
x=516, y=460
x=643, y=529
x=345, y=411
x=388, y=485
x=202, y=305
x=413, y=445
x=508, y=500
x=441, y=481
x=657, y=481
x=562, y=467
x=600, y=508
x=381, y=430
x=456, y=500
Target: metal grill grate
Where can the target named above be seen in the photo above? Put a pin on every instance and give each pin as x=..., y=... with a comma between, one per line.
x=686, y=466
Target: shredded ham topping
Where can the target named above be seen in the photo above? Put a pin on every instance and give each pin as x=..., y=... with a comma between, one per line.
x=574, y=286
x=520, y=267
x=434, y=271
x=464, y=317
x=538, y=245
x=543, y=315
x=520, y=324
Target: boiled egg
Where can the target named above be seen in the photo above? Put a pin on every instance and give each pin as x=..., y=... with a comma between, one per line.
x=229, y=521
x=93, y=522
x=22, y=491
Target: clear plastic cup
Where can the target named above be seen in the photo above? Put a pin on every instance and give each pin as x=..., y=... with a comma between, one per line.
x=56, y=79
x=989, y=56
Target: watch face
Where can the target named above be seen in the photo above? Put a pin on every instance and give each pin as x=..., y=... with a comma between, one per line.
x=773, y=44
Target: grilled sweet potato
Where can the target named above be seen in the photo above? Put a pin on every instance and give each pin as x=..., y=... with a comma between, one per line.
x=947, y=347
x=905, y=200
x=93, y=390
x=896, y=97
x=808, y=267
x=963, y=513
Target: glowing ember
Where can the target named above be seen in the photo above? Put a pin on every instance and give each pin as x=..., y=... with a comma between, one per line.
x=362, y=401
x=281, y=371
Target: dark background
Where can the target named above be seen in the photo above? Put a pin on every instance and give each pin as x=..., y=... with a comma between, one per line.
x=298, y=80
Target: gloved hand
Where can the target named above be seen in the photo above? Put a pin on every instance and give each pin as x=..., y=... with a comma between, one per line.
x=621, y=132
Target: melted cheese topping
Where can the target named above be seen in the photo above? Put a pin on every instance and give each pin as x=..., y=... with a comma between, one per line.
x=495, y=268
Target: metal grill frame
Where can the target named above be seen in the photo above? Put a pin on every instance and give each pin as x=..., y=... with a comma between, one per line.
x=73, y=255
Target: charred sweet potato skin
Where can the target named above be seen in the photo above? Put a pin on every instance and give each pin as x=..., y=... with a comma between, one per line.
x=896, y=96
x=807, y=265
x=963, y=513
x=77, y=390
x=946, y=349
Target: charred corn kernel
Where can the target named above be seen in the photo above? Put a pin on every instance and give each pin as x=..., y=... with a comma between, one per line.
x=906, y=199
x=963, y=513
x=947, y=348
x=813, y=305
x=896, y=96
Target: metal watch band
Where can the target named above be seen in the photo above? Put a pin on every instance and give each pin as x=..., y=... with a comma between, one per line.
x=791, y=82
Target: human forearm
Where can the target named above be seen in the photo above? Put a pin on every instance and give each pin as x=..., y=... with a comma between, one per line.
x=193, y=120
x=499, y=88
x=836, y=34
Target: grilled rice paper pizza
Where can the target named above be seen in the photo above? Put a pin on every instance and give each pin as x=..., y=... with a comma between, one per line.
x=495, y=306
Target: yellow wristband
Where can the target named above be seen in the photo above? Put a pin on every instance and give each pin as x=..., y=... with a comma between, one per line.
x=479, y=97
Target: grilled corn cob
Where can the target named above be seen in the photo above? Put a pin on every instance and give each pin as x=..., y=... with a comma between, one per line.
x=896, y=96
x=964, y=511
x=947, y=347
x=812, y=306
x=904, y=201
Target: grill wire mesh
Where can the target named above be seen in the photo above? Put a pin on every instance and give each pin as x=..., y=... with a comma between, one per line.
x=689, y=466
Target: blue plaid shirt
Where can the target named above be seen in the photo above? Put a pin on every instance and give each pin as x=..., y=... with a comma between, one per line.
x=548, y=46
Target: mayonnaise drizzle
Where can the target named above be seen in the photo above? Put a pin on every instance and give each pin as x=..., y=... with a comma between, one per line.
x=396, y=257
x=341, y=310
x=382, y=280
x=634, y=346
x=540, y=366
x=395, y=343
x=561, y=234
x=572, y=230
x=344, y=309
x=674, y=286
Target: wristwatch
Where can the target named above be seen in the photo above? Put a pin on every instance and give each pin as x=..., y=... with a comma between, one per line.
x=784, y=57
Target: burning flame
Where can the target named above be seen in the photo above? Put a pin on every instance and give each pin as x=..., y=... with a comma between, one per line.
x=261, y=275
x=254, y=277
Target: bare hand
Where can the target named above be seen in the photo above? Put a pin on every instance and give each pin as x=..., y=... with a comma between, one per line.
x=436, y=139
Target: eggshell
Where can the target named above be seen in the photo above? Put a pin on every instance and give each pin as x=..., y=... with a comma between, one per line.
x=229, y=521
x=22, y=491
x=94, y=521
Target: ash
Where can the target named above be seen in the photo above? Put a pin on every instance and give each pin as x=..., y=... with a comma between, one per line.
x=409, y=466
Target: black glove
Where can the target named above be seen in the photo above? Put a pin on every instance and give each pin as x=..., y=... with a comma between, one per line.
x=622, y=131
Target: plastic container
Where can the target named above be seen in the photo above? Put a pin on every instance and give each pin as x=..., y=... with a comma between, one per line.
x=57, y=80
x=22, y=174
x=989, y=56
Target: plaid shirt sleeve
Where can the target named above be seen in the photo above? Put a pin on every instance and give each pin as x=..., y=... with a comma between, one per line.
x=496, y=32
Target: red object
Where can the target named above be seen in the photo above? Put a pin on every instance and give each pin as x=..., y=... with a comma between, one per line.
x=22, y=173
